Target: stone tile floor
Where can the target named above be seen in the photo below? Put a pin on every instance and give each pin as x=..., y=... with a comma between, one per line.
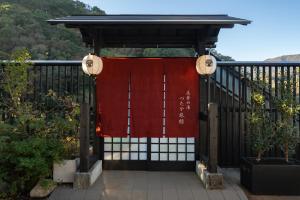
x=140, y=185
x=147, y=185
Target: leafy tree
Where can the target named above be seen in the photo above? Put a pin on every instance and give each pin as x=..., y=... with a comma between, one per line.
x=221, y=56
x=261, y=125
x=32, y=136
x=266, y=132
x=26, y=153
x=287, y=136
x=23, y=25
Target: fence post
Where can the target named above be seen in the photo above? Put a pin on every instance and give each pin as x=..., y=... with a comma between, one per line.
x=84, y=136
x=298, y=152
x=213, y=137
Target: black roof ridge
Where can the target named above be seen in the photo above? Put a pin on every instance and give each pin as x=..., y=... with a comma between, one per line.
x=203, y=28
x=221, y=19
x=151, y=15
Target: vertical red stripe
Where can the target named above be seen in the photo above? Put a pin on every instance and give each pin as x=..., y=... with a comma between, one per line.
x=112, y=98
x=147, y=98
x=182, y=109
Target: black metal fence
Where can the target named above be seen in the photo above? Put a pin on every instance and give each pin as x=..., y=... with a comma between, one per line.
x=64, y=78
x=230, y=87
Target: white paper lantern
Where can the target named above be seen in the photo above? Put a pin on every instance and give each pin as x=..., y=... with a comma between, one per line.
x=92, y=65
x=206, y=65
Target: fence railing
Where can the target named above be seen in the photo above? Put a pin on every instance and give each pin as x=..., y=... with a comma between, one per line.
x=231, y=88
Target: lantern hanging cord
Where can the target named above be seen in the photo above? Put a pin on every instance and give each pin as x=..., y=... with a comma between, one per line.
x=209, y=51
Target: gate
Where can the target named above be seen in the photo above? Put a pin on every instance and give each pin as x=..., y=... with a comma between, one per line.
x=145, y=153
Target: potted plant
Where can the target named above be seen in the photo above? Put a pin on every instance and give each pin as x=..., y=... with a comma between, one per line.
x=273, y=176
x=64, y=170
x=65, y=122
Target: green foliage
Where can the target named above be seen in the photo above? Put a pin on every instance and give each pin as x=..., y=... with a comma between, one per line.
x=63, y=118
x=168, y=52
x=15, y=77
x=267, y=132
x=24, y=162
x=221, y=56
x=262, y=128
x=47, y=183
x=4, y=7
x=23, y=25
x=287, y=136
x=32, y=135
x=148, y=52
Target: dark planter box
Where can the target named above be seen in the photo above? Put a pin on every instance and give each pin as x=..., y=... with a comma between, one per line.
x=271, y=176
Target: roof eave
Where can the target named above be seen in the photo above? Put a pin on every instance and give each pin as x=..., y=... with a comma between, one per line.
x=149, y=22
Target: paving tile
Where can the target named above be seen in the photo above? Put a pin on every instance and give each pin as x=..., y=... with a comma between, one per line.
x=184, y=190
x=200, y=194
x=155, y=194
x=138, y=194
x=215, y=195
x=147, y=185
x=117, y=195
x=170, y=194
x=61, y=192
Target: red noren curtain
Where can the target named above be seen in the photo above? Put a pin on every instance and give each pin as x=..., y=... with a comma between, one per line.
x=112, y=98
x=182, y=100
x=147, y=98
x=146, y=82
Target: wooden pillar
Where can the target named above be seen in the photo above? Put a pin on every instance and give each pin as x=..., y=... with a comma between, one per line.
x=98, y=142
x=200, y=146
x=84, y=137
x=213, y=137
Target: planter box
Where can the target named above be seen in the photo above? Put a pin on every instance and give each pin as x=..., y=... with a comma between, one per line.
x=271, y=176
x=64, y=171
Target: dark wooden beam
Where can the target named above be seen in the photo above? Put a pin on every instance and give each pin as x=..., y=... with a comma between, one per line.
x=98, y=41
x=134, y=27
x=153, y=45
x=151, y=37
x=142, y=38
x=148, y=26
x=84, y=137
x=213, y=137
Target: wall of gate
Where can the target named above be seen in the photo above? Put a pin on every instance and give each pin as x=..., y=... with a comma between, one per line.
x=230, y=87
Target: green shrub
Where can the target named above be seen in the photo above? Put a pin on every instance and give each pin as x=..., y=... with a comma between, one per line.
x=287, y=136
x=63, y=117
x=33, y=135
x=24, y=162
x=261, y=126
x=268, y=132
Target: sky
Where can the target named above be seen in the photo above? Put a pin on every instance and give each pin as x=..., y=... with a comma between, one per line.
x=274, y=31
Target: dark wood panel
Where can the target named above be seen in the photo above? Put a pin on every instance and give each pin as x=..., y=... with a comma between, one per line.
x=149, y=165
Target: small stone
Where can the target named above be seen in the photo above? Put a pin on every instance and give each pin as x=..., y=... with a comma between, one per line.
x=40, y=191
x=210, y=181
x=214, y=180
